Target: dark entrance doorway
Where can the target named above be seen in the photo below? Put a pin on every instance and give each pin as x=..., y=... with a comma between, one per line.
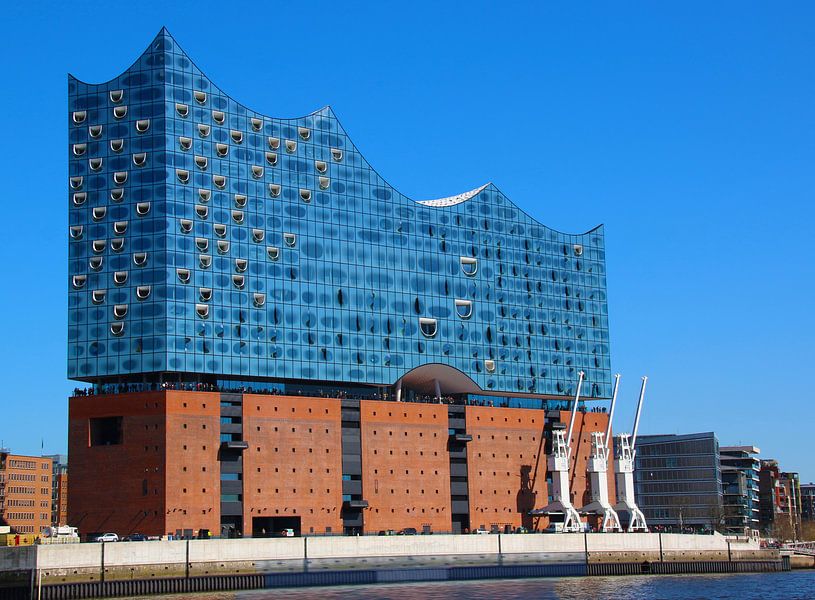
x=274, y=526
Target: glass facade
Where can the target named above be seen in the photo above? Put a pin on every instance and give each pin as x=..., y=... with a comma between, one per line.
x=210, y=241
x=678, y=480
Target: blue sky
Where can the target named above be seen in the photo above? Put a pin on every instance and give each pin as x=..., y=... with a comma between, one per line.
x=688, y=128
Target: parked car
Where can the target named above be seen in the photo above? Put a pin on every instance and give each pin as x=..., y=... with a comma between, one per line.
x=287, y=532
x=554, y=528
x=408, y=531
x=387, y=532
x=135, y=537
x=106, y=537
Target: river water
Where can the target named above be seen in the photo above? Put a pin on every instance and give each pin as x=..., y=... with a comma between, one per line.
x=795, y=585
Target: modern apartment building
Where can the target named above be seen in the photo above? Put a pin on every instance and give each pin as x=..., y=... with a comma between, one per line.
x=740, y=468
x=780, y=501
x=273, y=336
x=808, y=501
x=59, y=489
x=678, y=481
x=25, y=492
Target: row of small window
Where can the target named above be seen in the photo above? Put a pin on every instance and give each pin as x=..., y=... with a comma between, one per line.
x=96, y=262
x=273, y=252
x=95, y=164
x=95, y=132
x=80, y=116
x=222, y=150
x=119, y=178
x=77, y=231
x=119, y=279
x=119, y=310
x=219, y=181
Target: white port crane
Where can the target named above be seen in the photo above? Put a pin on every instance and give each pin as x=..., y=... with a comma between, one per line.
x=625, y=451
x=598, y=473
x=558, y=465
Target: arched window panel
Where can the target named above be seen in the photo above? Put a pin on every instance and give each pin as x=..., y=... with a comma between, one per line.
x=98, y=296
x=238, y=281
x=120, y=277
x=200, y=97
x=290, y=239
x=186, y=225
x=99, y=212
x=143, y=292
x=489, y=366
x=117, y=146
x=95, y=131
x=321, y=166
x=78, y=281
x=274, y=143
x=202, y=310
x=218, y=116
x=184, y=143
x=219, y=181
x=142, y=125
x=305, y=195
x=336, y=154
x=205, y=261
x=120, y=177
x=257, y=124
x=223, y=247
x=259, y=300
x=142, y=208
x=240, y=200
x=98, y=246
x=95, y=263
x=274, y=190
x=182, y=109
x=204, y=195
x=80, y=149
x=183, y=275
x=324, y=183
x=95, y=164
x=80, y=198
x=202, y=244
x=120, y=227
x=222, y=149
x=219, y=229
x=140, y=159
x=203, y=130
x=237, y=216
x=428, y=327
x=76, y=182
x=183, y=175
x=469, y=265
x=237, y=136
x=271, y=158
x=205, y=294
x=119, y=311
x=79, y=116
x=464, y=308
x=241, y=264
x=140, y=259
x=578, y=249
x=117, y=329
x=201, y=162
x=120, y=112
x=117, y=194
x=304, y=132
x=258, y=235
x=76, y=232
x=116, y=96
x=273, y=252
x=117, y=244
x=291, y=146
x=257, y=171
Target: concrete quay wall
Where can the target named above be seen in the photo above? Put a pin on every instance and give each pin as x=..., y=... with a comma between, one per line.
x=127, y=560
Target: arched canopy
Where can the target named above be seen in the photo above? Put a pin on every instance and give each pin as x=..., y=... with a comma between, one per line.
x=451, y=380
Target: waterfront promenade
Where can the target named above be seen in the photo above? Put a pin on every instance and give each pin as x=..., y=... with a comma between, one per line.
x=127, y=568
